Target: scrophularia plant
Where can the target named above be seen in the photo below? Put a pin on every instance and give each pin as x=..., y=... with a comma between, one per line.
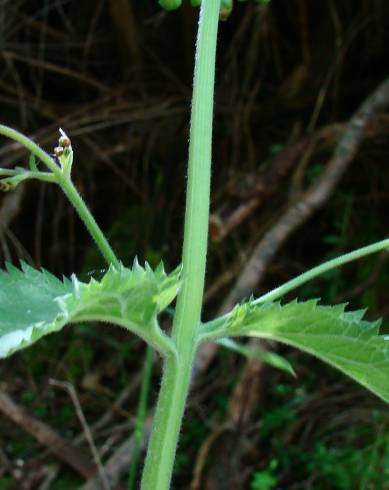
x=34, y=303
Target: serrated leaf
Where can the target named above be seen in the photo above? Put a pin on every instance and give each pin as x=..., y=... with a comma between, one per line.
x=27, y=306
x=131, y=298
x=342, y=339
x=34, y=303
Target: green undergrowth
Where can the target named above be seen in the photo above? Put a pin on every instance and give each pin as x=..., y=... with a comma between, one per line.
x=316, y=435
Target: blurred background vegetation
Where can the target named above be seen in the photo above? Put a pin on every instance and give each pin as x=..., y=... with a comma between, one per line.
x=116, y=76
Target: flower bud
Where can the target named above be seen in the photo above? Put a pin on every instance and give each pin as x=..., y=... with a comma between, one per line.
x=225, y=9
x=64, y=142
x=58, y=151
x=170, y=4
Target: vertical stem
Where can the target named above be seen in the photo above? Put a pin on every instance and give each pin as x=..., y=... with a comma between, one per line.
x=176, y=378
x=199, y=177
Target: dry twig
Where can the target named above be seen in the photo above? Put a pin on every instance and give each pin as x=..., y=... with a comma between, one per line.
x=45, y=435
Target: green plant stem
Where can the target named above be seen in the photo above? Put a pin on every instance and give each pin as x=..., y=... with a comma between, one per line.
x=69, y=189
x=140, y=416
x=177, y=370
x=321, y=269
x=89, y=221
x=33, y=147
x=17, y=177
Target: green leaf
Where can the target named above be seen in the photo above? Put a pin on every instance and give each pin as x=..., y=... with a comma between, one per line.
x=271, y=358
x=35, y=303
x=28, y=308
x=342, y=339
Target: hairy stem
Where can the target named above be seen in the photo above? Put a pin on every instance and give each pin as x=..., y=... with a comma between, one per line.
x=89, y=221
x=177, y=370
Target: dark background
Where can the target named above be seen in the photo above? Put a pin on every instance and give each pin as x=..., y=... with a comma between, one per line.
x=116, y=76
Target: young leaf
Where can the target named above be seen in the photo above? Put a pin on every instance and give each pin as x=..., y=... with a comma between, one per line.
x=271, y=358
x=131, y=298
x=342, y=339
x=34, y=303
